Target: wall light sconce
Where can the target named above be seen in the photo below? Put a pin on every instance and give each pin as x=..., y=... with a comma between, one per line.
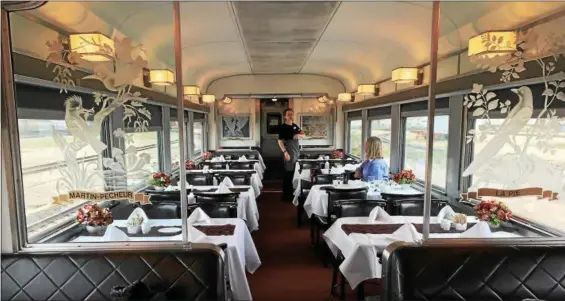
x=227, y=100
x=492, y=44
x=91, y=46
x=405, y=75
x=344, y=97
x=208, y=98
x=324, y=99
x=366, y=89
x=161, y=77
x=191, y=90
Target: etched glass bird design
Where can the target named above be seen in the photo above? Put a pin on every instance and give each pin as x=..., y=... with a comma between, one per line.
x=517, y=118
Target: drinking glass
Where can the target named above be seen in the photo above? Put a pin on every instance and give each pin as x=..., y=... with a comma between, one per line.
x=371, y=180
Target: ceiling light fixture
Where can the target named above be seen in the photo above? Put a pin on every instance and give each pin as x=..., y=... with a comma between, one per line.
x=161, y=77
x=323, y=99
x=93, y=47
x=492, y=44
x=208, y=98
x=404, y=75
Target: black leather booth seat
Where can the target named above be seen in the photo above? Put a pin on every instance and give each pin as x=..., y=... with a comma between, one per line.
x=195, y=274
x=478, y=272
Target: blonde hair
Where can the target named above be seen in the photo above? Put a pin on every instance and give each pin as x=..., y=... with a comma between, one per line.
x=374, y=148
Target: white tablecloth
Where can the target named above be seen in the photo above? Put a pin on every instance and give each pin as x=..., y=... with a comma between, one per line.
x=259, y=157
x=241, y=252
x=360, y=250
x=246, y=206
x=317, y=201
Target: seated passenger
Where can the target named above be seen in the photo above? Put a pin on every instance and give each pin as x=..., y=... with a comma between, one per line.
x=374, y=167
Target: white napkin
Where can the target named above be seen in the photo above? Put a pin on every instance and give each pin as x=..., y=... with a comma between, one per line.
x=114, y=234
x=406, y=233
x=242, y=159
x=378, y=214
x=480, y=230
x=337, y=170
x=349, y=166
x=223, y=188
x=198, y=216
x=222, y=159
x=227, y=181
x=172, y=188
x=140, y=212
x=215, y=159
x=446, y=213
x=321, y=157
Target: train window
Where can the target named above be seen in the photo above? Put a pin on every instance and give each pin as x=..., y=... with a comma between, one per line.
x=43, y=163
x=355, y=137
x=415, y=133
x=175, y=147
x=145, y=146
x=197, y=137
x=381, y=128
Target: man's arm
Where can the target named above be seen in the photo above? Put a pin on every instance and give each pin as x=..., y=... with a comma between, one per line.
x=283, y=149
x=300, y=134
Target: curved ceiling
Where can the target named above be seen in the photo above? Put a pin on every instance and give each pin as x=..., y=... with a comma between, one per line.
x=354, y=42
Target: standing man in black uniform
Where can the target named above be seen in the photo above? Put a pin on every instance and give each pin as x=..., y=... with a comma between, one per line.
x=289, y=133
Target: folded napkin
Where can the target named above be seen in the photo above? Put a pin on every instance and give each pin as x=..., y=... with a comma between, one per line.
x=337, y=170
x=114, y=234
x=321, y=157
x=223, y=188
x=446, y=213
x=378, y=214
x=227, y=181
x=349, y=166
x=198, y=216
x=479, y=230
x=406, y=233
x=140, y=212
x=242, y=159
x=222, y=159
x=215, y=159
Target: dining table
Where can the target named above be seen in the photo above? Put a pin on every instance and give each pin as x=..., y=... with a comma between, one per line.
x=241, y=253
x=360, y=240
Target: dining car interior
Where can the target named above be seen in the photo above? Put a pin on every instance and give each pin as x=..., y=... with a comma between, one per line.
x=283, y=150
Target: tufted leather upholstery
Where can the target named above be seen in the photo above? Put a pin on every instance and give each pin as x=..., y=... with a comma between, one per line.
x=482, y=272
x=216, y=209
x=199, y=179
x=241, y=165
x=243, y=178
x=162, y=210
x=230, y=197
x=415, y=207
x=362, y=207
x=335, y=194
x=196, y=274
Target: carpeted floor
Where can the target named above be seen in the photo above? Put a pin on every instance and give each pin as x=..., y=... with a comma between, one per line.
x=290, y=269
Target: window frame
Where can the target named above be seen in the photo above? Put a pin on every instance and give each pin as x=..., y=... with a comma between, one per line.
x=402, y=142
x=382, y=117
x=348, y=136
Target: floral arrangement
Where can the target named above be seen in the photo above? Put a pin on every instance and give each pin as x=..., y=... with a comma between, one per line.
x=189, y=164
x=207, y=156
x=460, y=219
x=405, y=177
x=160, y=179
x=337, y=154
x=493, y=211
x=93, y=215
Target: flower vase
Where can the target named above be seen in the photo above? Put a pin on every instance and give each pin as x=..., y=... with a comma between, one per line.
x=158, y=188
x=134, y=229
x=460, y=227
x=493, y=226
x=95, y=229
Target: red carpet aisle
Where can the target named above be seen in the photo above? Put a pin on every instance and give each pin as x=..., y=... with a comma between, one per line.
x=290, y=270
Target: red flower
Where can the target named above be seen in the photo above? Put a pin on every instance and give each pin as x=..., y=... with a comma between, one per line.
x=160, y=179
x=206, y=156
x=493, y=211
x=94, y=215
x=190, y=165
x=405, y=177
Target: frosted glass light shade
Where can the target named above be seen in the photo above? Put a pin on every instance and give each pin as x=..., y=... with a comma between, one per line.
x=91, y=46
